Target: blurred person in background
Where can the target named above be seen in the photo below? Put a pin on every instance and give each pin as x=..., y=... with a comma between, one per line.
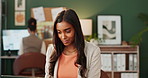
x=32, y=43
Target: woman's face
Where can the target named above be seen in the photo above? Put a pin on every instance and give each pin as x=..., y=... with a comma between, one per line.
x=65, y=33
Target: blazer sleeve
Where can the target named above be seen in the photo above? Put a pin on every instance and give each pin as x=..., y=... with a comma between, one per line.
x=95, y=64
x=47, y=64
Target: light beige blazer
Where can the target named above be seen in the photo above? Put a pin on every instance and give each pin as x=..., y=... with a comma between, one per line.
x=93, y=56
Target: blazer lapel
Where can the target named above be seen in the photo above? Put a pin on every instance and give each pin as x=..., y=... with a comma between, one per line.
x=79, y=71
x=56, y=69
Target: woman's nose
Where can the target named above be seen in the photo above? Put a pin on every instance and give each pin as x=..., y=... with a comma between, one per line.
x=63, y=36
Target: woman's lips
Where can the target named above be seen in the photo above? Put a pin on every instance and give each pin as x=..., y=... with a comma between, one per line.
x=65, y=41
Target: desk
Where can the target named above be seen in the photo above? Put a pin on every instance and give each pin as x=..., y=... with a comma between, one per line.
x=7, y=64
x=13, y=76
x=8, y=57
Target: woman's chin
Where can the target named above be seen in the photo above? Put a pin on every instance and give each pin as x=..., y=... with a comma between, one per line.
x=66, y=44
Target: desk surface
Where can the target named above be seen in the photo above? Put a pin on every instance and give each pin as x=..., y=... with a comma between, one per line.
x=8, y=57
x=13, y=76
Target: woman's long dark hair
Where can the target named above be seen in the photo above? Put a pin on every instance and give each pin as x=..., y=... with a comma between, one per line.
x=70, y=17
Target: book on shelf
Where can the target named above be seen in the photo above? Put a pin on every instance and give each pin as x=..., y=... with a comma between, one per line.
x=106, y=62
x=115, y=62
x=119, y=62
x=133, y=62
x=122, y=62
x=129, y=75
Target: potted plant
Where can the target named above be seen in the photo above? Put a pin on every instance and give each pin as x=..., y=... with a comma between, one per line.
x=137, y=38
x=94, y=39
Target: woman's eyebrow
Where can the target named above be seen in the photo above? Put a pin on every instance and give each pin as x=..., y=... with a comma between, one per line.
x=67, y=29
x=64, y=29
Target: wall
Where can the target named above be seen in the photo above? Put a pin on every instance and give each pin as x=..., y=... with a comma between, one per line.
x=128, y=9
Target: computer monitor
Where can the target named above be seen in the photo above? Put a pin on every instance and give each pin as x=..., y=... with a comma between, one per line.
x=12, y=38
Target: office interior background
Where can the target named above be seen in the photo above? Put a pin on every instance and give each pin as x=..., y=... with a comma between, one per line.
x=90, y=9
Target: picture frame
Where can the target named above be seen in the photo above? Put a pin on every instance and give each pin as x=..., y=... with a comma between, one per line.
x=19, y=18
x=20, y=5
x=109, y=29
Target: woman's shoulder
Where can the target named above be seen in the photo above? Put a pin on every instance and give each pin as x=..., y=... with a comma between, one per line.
x=50, y=46
x=50, y=49
x=90, y=45
x=91, y=48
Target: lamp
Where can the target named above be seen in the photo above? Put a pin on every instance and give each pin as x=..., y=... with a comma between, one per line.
x=86, y=25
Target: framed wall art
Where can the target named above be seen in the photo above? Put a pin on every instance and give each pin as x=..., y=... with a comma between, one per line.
x=109, y=29
x=19, y=5
x=20, y=18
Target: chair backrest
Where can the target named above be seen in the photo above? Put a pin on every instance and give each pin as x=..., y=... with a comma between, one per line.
x=104, y=74
x=28, y=61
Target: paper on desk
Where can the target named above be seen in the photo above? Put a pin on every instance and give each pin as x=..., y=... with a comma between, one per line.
x=55, y=12
x=39, y=14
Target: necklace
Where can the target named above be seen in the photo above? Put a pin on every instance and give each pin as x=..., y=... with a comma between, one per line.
x=68, y=52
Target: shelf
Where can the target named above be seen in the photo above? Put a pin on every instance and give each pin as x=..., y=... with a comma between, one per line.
x=118, y=48
x=8, y=57
x=127, y=52
x=126, y=71
x=119, y=61
x=12, y=76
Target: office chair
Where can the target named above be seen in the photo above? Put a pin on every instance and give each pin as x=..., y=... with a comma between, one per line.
x=104, y=74
x=30, y=64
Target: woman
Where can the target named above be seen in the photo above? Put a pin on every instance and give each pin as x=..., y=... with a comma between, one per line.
x=32, y=43
x=71, y=56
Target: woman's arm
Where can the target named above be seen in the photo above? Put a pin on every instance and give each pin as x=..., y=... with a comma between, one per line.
x=95, y=64
x=47, y=64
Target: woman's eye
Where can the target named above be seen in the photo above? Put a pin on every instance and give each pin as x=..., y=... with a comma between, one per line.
x=68, y=31
x=59, y=32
